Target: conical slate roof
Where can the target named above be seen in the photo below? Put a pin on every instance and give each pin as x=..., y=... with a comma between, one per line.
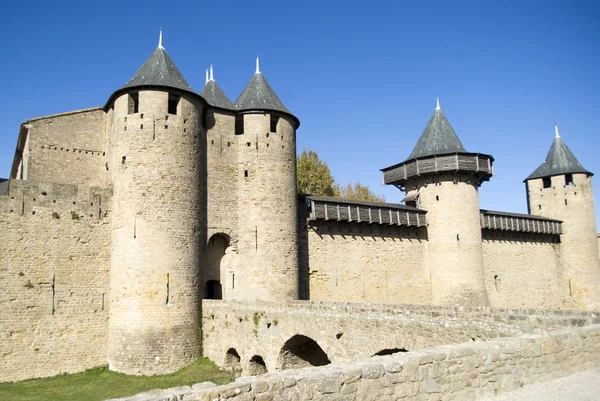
x=215, y=96
x=258, y=95
x=159, y=70
x=438, y=137
x=560, y=160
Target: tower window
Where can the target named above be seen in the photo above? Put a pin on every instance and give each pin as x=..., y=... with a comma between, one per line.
x=568, y=179
x=239, y=125
x=133, y=103
x=547, y=183
x=274, y=121
x=173, y=103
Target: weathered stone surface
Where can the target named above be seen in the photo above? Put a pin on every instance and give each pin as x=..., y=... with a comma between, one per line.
x=465, y=378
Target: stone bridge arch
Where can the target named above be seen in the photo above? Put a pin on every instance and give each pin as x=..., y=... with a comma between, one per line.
x=301, y=351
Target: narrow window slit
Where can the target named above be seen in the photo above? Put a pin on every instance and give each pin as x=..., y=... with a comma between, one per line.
x=167, y=300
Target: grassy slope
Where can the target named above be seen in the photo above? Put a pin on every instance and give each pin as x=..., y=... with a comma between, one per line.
x=100, y=384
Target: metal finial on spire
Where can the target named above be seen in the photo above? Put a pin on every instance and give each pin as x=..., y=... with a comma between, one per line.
x=160, y=46
x=206, y=76
x=438, y=104
x=211, y=73
x=257, y=65
x=556, y=128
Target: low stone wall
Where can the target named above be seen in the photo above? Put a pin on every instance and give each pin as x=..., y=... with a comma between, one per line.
x=460, y=371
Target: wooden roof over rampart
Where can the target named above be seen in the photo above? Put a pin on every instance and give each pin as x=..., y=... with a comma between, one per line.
x=326, y=208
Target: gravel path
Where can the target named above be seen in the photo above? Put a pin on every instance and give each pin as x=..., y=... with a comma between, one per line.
x=582, y=386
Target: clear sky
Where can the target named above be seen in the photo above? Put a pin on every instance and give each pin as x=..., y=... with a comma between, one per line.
x=362, y=77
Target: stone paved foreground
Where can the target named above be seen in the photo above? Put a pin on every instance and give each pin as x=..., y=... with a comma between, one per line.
x=582, y=386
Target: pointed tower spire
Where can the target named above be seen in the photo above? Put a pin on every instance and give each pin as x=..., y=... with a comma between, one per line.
x=160, y=46
x=205, y=82
x=213, y=94
x=257, y=65
x=559, y=160
x=438, y=137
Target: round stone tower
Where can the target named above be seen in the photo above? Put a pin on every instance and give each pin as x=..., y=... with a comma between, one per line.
x=267, y=206
x=157, y=169
x=560, y=188
x=441, y=177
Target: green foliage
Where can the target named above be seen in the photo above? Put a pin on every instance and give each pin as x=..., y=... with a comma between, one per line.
x=55, y=215
x=356, y=191
x=314, y=178
x=100, y=384
x=256, y=318
x=314, y=175
x=75, y=216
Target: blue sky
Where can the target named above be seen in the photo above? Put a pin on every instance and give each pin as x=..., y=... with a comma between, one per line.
x=362, y=77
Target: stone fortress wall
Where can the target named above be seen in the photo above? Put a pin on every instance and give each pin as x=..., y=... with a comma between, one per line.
x=67, y=148
x=54, y=269
x=361, y=262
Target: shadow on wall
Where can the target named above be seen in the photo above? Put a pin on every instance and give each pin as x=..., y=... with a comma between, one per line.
x=299, y=352
x=390, y=351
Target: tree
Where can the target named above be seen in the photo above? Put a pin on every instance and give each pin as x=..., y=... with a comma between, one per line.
x=314, y=175
x=314, y=178
x=356, y=191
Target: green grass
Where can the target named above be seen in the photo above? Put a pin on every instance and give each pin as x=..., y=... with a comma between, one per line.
x=100, y=384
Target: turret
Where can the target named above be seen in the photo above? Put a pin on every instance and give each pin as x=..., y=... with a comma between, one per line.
x=156, y=171
x=560, y=188
x=267, y=218
x=441, y=177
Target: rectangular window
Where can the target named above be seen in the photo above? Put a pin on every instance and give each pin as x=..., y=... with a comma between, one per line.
x=546, y=182
x=173, y=103
x=133, y=103
x=568, y=179
x=274, y=121
x=239, y=125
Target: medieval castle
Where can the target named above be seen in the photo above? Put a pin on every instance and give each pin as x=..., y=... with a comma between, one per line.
x=118, y=220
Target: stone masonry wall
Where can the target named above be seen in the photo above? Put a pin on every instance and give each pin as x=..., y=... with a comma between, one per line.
x=367, y=263
x=158, y=234
x=54, y=270
x=573, y=204
x=223, y=174
x=454, y=234
x=349, y=331
x=67, y=148
x=267, y=268
x=521, y=272
x=460, y=371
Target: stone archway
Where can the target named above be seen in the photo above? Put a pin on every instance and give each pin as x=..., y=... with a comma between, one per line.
x=232, y=361
x=299, y=352
x=257, y=366
x=213, y=274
